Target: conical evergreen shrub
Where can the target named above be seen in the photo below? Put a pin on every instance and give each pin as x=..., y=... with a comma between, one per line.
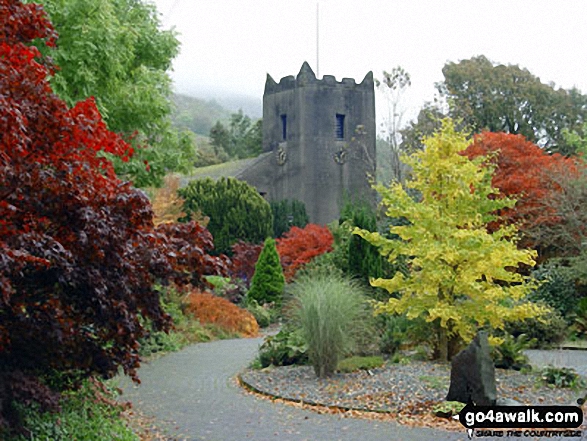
x=268, y=281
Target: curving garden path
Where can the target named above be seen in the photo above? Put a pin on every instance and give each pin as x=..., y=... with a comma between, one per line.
x=194, y=394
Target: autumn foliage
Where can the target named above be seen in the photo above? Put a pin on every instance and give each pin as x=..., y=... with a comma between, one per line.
x=525, y=172
x=244, y=258
x=79, y=254
x=211, y=309
x=300, y=245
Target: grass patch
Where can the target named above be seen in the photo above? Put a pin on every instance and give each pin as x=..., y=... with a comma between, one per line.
x=433, y=382
x=354, y=364
x=88, y=414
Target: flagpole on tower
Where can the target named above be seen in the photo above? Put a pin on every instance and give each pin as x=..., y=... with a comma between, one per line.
x=317, y=39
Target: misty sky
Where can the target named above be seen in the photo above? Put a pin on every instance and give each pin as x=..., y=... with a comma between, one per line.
x=228, y=46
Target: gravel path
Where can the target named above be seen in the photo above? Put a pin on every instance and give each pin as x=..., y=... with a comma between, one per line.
x=193, y=393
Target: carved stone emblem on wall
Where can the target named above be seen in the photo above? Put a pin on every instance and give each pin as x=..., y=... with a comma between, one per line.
x=281, y=155
x=340, y=157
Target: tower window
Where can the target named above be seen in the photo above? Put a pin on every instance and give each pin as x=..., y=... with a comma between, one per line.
x=339, y=126
x=284, y=127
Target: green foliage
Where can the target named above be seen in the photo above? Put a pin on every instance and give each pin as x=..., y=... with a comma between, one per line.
x=500, y=98
x=562, y=377
x=287, y=214
x=558, y=290
x=545, y=331
x=446, y=409
x=261, y=314
x=268, y=281
x=236, y=210
x=580, y=319
x=364, y=259
x=327, y=309
x=354, y=364
x=87, y=414
x=397, y=330
x=460, y=275
x=243, y=138
x=285, y=348
x=116, y=51
x=428, y=121
x=509, y=354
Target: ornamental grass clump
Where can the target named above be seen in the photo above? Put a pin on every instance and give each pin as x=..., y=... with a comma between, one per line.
x=328, y=308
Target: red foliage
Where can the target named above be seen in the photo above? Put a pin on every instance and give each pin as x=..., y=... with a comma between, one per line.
x=244, y=258
x=79, y=254
x=300, y=245
x=525, y=172
x=208, y=308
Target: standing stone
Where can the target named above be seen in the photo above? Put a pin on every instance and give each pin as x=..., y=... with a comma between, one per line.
x=472, y=376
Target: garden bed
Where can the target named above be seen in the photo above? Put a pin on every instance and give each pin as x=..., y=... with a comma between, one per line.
x=395, y=389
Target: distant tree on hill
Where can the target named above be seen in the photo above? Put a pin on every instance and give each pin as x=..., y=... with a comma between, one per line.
x=241, y=138
x=500, y=98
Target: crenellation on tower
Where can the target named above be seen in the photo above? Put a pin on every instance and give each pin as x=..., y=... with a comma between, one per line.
x=312, y=152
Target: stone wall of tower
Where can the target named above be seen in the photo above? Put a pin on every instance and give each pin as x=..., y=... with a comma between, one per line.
x=313, y=159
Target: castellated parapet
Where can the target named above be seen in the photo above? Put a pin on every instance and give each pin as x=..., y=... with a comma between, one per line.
x=318, y=142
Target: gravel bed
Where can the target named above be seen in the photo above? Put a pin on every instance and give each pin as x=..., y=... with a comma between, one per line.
x=394, y=388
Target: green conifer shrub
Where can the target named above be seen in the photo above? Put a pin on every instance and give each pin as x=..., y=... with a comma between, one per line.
x=268, y=281
x=236, y=211
x=287, y=214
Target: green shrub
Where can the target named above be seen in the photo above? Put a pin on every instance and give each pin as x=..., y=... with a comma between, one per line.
x=88, y=414
x=283, y=349
x=580, y=317
x=354, y=364
x=397, y=330
x=287, y=214
x=236, y=211
x=561, y=377
x=364, y=259
x=261, y=314
x=268, y=281
x=558, y=290
x=510, y=353
x=327, y=309
x=545, y=332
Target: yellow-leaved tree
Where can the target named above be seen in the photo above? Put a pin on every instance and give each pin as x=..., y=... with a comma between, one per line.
x=460, y=276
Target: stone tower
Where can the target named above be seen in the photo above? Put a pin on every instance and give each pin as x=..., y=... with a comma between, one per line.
x=318, y=142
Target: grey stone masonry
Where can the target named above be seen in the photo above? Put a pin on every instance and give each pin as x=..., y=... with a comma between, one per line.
x=321, y=138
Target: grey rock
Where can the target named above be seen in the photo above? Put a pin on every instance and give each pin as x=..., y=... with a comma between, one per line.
x=472, y=376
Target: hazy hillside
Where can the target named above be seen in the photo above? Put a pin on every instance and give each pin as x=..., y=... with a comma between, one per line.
x=196, y=114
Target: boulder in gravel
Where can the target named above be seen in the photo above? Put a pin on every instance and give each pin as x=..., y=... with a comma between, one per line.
x=472, y=375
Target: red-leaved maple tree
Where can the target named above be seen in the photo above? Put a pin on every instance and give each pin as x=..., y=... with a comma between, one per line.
x=79, y=254
x=244, y=258
x=300, y=245
x=525, y=172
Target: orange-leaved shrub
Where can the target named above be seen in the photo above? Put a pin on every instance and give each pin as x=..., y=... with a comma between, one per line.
x=211, y=309
x=300, y=245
